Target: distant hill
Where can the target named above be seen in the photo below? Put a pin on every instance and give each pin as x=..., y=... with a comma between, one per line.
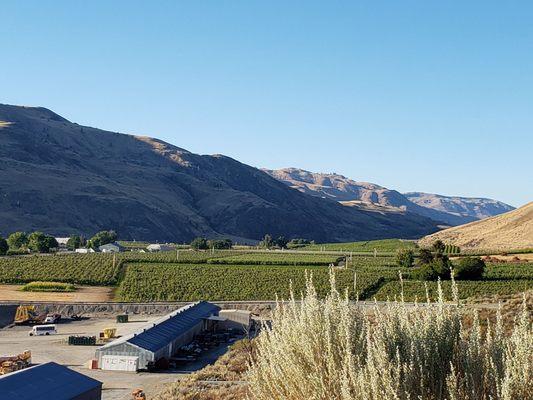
x=63, y=178
x=467, y=207
x=447, y=210
x=512, y=230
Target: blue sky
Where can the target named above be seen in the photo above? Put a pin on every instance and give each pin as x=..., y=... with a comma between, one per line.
x=412, y=95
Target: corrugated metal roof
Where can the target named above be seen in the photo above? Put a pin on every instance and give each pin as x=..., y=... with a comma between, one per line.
x=45, y=381
x=176, y=323
x=161, y=332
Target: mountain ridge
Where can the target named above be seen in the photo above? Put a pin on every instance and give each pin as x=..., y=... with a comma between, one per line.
x=64, y=178
x=445, y=209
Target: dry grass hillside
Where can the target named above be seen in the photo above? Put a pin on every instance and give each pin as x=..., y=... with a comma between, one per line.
x=512, y=230
x=450, y=211
x=62, y=178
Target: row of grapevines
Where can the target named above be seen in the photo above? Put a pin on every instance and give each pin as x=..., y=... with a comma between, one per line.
x=277, y=259
x=89, y=269
x=183, y=282
x=417, y=290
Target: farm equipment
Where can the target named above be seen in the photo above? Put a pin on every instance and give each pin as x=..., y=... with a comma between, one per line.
x=82, y=340
x=107, y=334
x=15, y=363
x=28, y=315
x=110, y=333
x=122, y=318
x=52, y=318
x=138, y=394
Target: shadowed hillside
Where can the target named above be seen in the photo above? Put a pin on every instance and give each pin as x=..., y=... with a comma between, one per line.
x=63, y=178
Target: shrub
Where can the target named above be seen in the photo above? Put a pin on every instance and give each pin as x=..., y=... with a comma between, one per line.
x=48, y=287
x=405, y=258
x=469, y=268
x=328, y=349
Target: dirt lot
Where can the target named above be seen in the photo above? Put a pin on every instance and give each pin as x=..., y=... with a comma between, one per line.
x=88, y=294
x=117, y=385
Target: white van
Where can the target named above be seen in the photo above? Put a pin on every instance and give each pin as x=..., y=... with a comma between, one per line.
x=40, y=330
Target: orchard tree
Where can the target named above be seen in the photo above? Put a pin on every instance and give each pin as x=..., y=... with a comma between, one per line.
x=200, y=244
x=469, y=268
x=425, y=256
x=438, y=246
x=220, y=244
x=281, y=242
x=75, y=242
x=405, y=258
x=101, y=238
x=3, y=246
x=267, y=242
x=17, y=240
x=38, y=242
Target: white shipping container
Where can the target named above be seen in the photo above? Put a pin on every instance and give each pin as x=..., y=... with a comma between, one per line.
x=120, y=363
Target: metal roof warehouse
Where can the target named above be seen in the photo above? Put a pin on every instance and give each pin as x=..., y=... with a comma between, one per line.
x=157, y=340
x=49, y=381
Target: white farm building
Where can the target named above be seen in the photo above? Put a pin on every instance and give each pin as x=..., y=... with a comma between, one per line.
x=156, y=247
x=158, y=340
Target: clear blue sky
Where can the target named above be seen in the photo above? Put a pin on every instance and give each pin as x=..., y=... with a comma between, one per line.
x=413, y=95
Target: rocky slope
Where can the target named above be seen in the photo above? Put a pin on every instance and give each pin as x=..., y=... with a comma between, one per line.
x=467, y=207
x=510, y=231
x=447, y=210
x=64, y=178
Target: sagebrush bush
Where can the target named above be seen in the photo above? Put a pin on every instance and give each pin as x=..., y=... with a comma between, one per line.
x=329, y=349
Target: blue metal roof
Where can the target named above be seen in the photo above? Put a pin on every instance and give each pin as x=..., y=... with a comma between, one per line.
x=162, y=332
x=45, y=382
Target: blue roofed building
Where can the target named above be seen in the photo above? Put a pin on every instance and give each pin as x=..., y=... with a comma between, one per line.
x=157, y=340
x=49, y=381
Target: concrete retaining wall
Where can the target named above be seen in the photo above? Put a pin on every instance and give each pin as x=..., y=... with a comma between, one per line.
x=111, y=309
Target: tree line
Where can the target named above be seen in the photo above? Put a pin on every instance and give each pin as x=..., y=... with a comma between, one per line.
x=433, y=263
x=38, y=242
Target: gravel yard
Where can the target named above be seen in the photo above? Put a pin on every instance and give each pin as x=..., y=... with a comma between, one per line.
x=117, y=385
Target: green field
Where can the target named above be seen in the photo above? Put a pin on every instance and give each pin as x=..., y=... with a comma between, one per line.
x=416, y=290
x=169, y=282
x=240, y=275
x=86, y=269
x=277, y=259
x=381, y=246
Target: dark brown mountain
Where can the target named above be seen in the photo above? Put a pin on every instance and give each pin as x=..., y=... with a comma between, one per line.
x=63, y=178
x=447, y=210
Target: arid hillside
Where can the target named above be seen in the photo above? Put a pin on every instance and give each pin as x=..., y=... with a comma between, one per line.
x=62, y=178
x=450, y=211
x=512, y=230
